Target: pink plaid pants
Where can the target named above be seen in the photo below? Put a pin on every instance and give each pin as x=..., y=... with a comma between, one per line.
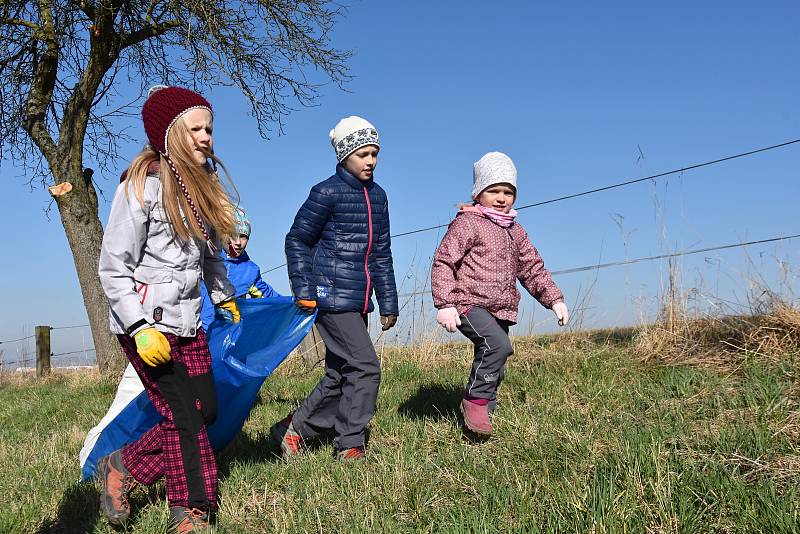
x=177, y=447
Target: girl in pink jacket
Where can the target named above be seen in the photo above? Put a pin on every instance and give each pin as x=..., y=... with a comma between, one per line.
x=473, y=279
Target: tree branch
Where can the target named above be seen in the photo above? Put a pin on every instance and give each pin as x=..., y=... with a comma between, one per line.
x=87, y=8
x=148, y=32
x=42, y=85
x=148, y=17
x=20, y=22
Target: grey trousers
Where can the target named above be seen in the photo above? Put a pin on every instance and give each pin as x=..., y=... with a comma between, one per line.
x=345, y=398
x=492, y=349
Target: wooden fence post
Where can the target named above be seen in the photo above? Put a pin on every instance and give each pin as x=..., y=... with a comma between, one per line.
x=671, y=306
x=312, y=348
x=42, y=351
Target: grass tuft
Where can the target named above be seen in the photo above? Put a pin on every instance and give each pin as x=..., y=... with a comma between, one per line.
x=724, y=343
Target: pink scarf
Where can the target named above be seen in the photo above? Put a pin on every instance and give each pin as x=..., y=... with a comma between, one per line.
x=502, y=219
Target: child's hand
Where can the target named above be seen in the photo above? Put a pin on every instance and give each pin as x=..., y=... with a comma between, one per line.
x=448, y=318
x=231, y=307
x=255, y=293
x=306, y=305
x=388, y=321
x=561, y=311
x=152, y=346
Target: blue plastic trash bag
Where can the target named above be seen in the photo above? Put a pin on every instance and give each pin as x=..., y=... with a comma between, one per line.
x=243, y=355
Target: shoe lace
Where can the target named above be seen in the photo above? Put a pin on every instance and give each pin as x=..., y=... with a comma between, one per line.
x=129, y=485
x=197, y=516
x=192, y=517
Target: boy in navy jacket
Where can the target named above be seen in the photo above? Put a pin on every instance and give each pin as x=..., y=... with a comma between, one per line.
x=338, y=251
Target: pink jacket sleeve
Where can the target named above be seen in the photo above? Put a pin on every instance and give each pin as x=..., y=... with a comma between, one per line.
x=454, y=246
x=534, y=277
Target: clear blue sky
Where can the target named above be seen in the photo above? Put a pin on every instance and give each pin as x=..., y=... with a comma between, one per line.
x=570, y=91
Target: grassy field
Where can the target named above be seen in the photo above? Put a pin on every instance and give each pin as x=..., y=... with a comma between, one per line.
x=588, y=440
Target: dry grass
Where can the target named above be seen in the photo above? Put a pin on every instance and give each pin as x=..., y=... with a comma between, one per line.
x=785, y=469
x=723, y=343
x=73, y=377
x=790, y=427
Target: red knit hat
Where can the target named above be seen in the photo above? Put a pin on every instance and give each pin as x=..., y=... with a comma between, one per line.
x=163, y=107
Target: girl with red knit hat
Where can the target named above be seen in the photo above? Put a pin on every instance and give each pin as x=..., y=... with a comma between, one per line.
x=473, y=281
x=167, y=220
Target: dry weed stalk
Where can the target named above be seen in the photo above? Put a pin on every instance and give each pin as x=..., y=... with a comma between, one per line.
x=771, y=334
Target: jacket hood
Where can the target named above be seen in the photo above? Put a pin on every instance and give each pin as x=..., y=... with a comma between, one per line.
x=469, y=208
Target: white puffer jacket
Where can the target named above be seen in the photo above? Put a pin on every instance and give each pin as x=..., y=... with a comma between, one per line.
x=150, y=276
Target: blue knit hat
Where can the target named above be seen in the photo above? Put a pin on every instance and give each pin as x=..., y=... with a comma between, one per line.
x=242, y=224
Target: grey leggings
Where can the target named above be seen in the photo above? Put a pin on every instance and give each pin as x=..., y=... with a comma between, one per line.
x=492, y=349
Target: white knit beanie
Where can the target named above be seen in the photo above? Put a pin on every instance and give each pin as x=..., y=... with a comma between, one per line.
x=493, y=168
x=350, y=134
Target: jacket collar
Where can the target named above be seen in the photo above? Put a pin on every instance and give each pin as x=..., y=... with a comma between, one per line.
x=227, y=257
x=345, y=176
x=471, y=211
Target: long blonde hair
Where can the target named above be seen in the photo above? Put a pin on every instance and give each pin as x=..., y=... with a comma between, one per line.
x=212, y=201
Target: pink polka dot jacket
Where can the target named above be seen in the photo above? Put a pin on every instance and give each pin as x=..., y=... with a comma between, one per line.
x=478, y=263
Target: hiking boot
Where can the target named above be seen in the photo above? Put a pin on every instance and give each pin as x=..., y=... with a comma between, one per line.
x=189, y=520
x=353, y=454
x=476, y=418
x=116, y=484
x=284, y=435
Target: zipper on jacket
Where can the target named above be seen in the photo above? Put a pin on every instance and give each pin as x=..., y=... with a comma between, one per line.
x=513, y=257
x=369, y=248
x=142, y=293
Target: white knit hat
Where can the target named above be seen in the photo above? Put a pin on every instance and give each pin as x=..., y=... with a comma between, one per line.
x=493, y=168
x=350, y=134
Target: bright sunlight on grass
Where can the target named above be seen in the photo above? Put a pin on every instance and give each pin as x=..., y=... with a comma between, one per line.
x=589, y=438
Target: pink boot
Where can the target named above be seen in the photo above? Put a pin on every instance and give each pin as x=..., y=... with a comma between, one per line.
x=476, y=418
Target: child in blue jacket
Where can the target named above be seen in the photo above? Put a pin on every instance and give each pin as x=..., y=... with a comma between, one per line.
x=243, y=273
x=338, y=252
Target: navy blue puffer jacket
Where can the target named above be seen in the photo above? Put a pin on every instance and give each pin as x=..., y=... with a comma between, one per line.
x=338, y=250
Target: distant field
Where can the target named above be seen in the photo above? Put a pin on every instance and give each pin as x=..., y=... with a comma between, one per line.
x=588, y=440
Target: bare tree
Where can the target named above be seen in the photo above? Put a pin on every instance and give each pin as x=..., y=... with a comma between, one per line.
x=65, y=64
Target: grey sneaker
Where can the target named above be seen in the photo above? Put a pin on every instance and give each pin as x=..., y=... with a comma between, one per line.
x=116, y=484
x=353, y=454
x=284, y=435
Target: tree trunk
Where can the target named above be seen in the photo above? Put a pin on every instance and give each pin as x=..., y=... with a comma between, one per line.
x=80, y=218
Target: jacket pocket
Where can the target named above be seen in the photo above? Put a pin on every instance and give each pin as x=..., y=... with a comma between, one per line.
x=152, y=275
x=160, y=294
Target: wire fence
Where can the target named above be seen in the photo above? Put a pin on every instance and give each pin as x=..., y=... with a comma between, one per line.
x=619, y=263
x=22, y=356
x=427, y=289
x=63, y=355
x=606, y=187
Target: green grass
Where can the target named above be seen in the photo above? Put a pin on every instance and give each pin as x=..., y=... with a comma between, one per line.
x=587, y=440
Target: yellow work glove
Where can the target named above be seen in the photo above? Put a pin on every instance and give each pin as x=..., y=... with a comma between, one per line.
x=231, y=307
x=255, y=293
x=152, y=346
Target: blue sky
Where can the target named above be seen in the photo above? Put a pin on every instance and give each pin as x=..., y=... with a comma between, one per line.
x=570, y=90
